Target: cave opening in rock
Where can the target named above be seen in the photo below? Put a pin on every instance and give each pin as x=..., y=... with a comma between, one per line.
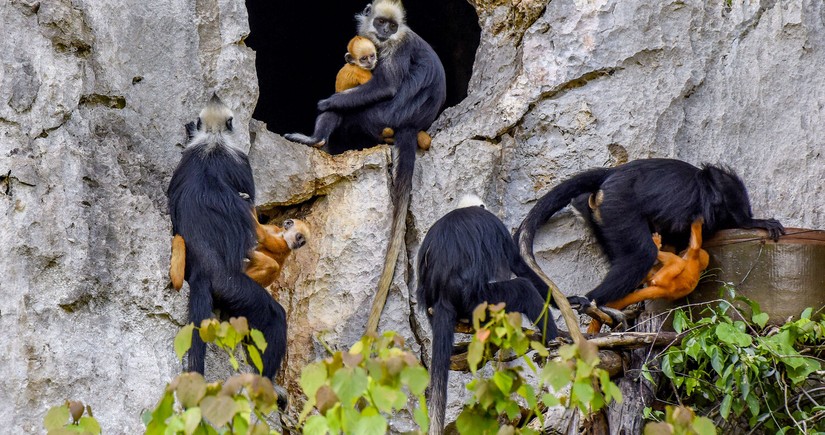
x=299, y=50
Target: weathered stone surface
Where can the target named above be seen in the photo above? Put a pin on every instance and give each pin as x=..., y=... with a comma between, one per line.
x=92, y=104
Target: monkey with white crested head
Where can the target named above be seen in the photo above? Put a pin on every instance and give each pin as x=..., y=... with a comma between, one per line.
x=219, y=230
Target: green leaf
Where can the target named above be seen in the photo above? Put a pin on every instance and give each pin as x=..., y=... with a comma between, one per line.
x=472, y=423
x=157, y=425
x=728, y=333
x=526, y=391
x=312, y=377
x=503, y=381
x=475, y=352
x=316, y=425
x=258, y=339
x=191, y=419
x=807, y=313
x=558, y=374
x=550, y=400
x=190, y=389
x=679, y=321
x=760, y=319
x=420, y=415
x=349, y=384
x=582, y=392
x=724, y=408
x=416, y=379
x=240, y=424
x=218, y=410
x=387, y=398
x=57, y=416
x=539, y=348
x=370, y=423
x=703, y=426
x=255, y=356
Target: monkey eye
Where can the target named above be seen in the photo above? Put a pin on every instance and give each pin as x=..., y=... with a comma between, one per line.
x=393, y=26
x=288, y=223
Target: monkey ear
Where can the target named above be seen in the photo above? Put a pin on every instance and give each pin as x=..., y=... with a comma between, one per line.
x=348, y=57
x=368, y=9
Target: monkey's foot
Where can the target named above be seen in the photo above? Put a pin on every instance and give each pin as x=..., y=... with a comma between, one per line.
x=306, y=140
x=618, y=318
x=283, y=397
x=606, y=315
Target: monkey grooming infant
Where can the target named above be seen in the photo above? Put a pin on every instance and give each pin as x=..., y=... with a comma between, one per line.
x=265, y=262
x=675, y=278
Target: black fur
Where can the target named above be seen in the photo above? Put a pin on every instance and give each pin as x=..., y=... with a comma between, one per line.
x=640, y=197
x=406, y=93
x=468, y=257
x=217, y=226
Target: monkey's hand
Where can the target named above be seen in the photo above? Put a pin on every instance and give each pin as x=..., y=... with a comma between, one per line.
x=580, y=303
x=774, y=228
x=325, y=105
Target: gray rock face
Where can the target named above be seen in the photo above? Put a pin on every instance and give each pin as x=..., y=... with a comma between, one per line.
x=91, y=116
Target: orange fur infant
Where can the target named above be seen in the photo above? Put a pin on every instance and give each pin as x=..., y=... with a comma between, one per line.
x=265, y=262
x=677, y=277
x=361, y=59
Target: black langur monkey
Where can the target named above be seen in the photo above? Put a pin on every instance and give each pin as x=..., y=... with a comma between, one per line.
x=633, y=200
x=468, y=257
x=219, y=228
x=407, y=90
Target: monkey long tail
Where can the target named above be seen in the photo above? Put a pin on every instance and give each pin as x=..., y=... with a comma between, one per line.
x=545, y=208
x=443, y=324
x=405, y=143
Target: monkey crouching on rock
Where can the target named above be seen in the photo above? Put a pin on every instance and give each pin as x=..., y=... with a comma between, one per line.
x=643, y=196
x=466, y=258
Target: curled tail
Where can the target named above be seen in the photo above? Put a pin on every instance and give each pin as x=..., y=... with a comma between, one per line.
x=405, y=141
x=552, y=202
x=442, y=323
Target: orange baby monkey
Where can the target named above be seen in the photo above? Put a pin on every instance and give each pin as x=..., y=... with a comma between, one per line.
x=361, y=59
x=274, y=246
x=265, y=262
x=677, y=277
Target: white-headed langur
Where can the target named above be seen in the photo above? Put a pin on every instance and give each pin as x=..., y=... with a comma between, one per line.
x=636, y=199
x=468, y=257
x=211, y=197
x=406, y=93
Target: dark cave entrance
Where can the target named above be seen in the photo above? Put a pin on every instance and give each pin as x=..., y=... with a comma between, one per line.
x=301, y=48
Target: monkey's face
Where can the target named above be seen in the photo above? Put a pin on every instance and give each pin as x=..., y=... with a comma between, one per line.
x=296, y=233
x=363, y=54
x=383, y=22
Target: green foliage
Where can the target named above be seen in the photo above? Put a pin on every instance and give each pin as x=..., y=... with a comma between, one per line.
x=739, y=369
x=191, y=406
x=680, y=420
x=69, y=419
x=495, y=399
x=227, y=336
x=354, y=391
